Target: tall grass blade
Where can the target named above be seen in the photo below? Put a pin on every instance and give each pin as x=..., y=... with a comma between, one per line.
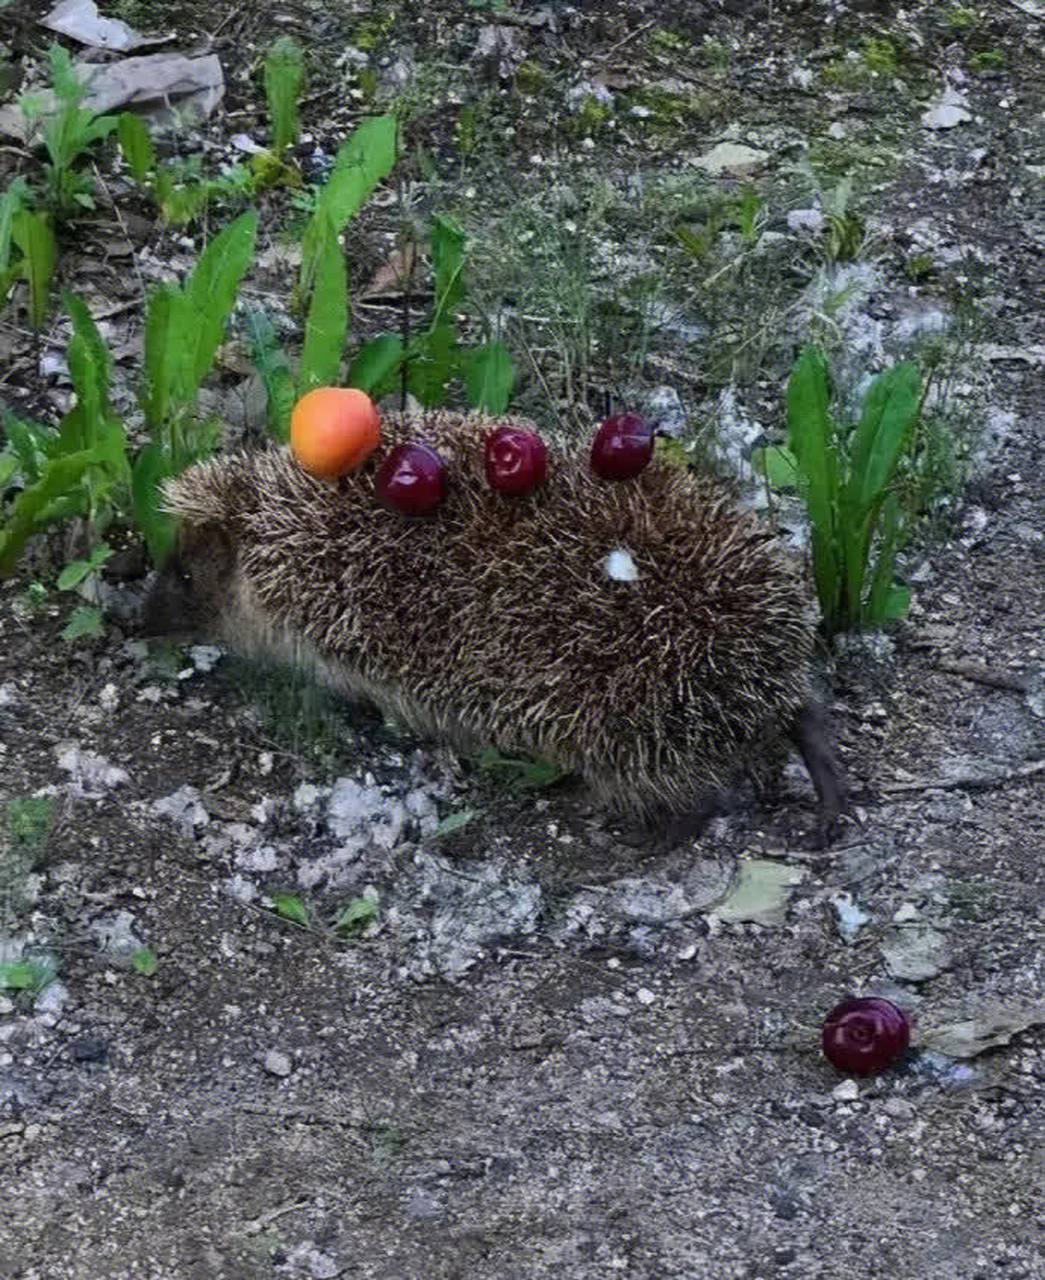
x=211, y=290
x=362, y=161
x=376, y=365
x=327, y=322
x=271, y=362
x=890, y=410
x=489, y=377
x=448, y=262
x=811, y=439
x=32, y=233
x=136, y=145
x=284, y=78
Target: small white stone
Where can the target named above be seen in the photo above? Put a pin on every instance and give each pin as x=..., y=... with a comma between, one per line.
x=847, y=1091
x=906, y=911
x=645, y=996
x=620, y=566
x=837, y=130
x=277, y=1064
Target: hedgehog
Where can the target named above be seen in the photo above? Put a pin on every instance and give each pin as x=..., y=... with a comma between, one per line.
x=650, y=635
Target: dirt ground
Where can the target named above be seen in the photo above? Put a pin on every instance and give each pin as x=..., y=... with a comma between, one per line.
x=551, y=1053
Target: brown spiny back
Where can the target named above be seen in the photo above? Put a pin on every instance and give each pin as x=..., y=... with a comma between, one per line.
x=495, y=617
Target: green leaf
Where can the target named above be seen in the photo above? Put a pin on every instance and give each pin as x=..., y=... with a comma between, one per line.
x=889, y=532
x=84, y=621
x=33, y=234
x=780, y=465
x=167, y=353
x=454, y=822
x=284, y=78
x=448, y=261
x=362, y=161
x=489, y=377
x=89, y=367
x=432, y=363
x=26, y=975
x=136, y=145
x=890, y=410
x=144, y=961
x=8, y=466
x=353, y=918
x=150, y=468
x=811, y=437
x=376, y=365
x=896, y=604
x=271, y=362
x=327, y=323
x=30, y=820
x=13, y=199
x=290, y=907
x=75, y=572
x=58, y=477
x=528, y=775
x=211, y=289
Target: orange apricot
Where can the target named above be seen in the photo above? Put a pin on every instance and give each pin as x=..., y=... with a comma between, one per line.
x=334, y=430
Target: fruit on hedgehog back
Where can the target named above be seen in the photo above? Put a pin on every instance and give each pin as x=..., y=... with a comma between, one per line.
x=506, y=621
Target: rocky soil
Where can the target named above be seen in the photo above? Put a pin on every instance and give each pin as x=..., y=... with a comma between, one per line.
x=327, y=1001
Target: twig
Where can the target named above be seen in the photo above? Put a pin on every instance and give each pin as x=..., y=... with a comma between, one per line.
x=985, y=675
x=969, y=781
x=605, y=57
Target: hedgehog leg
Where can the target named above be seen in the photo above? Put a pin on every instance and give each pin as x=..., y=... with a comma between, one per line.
x=811, y=735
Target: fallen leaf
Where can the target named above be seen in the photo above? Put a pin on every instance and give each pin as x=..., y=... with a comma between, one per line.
x=760, y=893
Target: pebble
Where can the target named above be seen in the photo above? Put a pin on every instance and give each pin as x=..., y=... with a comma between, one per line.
x=645, y=996
x=847, y=1091
x=277, y=1064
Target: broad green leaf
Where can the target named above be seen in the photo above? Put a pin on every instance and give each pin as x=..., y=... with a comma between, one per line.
x=897, y=602
x=454, y=822
x=167, y=353
x=57, y=477
x=33, y=234
x=284, y=78
x=150, y=468
x=489, y=377
x=432, y=363
x=271, y=362
x=26, y=975
x=88, y=359
x=290, y=907
x=100, y=127
x=75, y=572
x=327, y=323
x=890, y=410
x=13, y=199
x=86, y=621
x=30, y=444
x=136, y=145
x=377, y=365
x=780, y=465
x=811, y=437
x=8, y=466
x=889, y=530
x=362, y=161
x=354, y=917
x=144, y=961
x=211, y=289
x=448, y=262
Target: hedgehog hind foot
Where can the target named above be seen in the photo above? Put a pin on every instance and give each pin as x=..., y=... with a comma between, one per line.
x=811, y=734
